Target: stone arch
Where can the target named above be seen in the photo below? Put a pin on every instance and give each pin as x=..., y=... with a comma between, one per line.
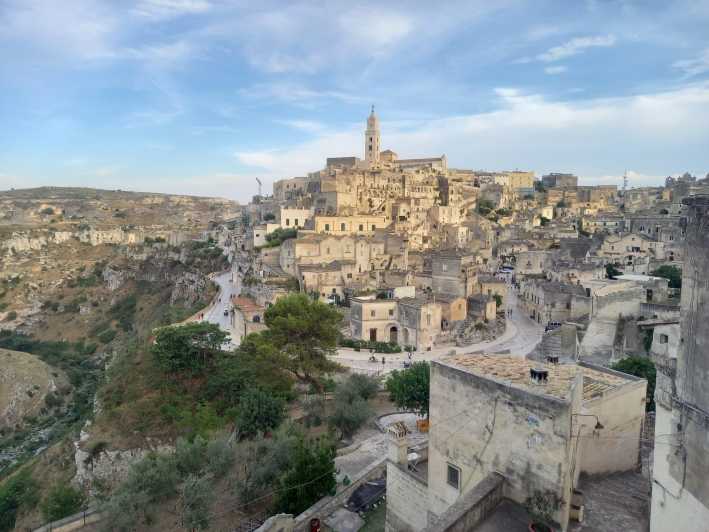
x=394, y=334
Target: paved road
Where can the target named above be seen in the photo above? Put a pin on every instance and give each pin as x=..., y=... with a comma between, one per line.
x=229, y=283
x=519, y=339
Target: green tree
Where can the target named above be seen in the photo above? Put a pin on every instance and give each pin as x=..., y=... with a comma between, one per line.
x=255, y=363
x=61, y=501
x=409, y=388
x=191, y=348
x=310, y=477
x=196, y=496
x=640, y=367
x=485, y=207
x=612, y=272
x=306, y=331
x=259, y=412
x=17, y=493
x=351, y=409
x=672, y=273
x=543, y=220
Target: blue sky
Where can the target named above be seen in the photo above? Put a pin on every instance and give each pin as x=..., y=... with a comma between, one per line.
x=202, y=96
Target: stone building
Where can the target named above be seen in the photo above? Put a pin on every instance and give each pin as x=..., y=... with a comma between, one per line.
x=409, y=321
x=528, y=428
x=550, y=301
x=680, y=491
x=557, y=180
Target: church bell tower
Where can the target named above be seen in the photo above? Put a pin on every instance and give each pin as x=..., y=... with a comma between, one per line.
x=371, y=140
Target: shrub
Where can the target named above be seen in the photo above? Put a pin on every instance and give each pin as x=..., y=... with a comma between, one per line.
x=259, y=412
x=11, y=316
x=61, y=501
x=107, y=336
x=19, y=492
x=347, y=417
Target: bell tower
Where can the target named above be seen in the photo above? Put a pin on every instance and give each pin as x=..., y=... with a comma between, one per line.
x=371, y=140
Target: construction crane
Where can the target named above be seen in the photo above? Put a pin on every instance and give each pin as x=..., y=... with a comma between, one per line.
x=259, y=185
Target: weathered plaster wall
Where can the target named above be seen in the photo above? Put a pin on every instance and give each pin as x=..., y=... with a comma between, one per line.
x=407, y=501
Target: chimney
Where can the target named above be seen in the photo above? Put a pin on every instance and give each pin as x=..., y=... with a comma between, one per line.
x=539, y=375
x=397, y=445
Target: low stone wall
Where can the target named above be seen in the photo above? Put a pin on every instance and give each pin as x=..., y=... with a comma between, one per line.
x=472, y=508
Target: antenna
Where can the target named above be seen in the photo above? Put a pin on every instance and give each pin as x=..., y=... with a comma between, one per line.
x=259, y=185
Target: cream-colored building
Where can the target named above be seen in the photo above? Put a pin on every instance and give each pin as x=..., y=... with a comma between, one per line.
x=294, y=218
x=408, y=321
x=350, y=225
x=506, y=428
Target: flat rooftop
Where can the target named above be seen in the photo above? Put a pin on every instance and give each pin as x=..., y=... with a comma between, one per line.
x=515, y=371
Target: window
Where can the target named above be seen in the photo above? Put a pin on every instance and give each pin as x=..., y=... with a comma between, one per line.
x=296, y=222
x=327, y=251
x=287, y=221
x=349, y=276
x=327, y=227
x=361, y=227
x=342, y=227
x=444, y=267
x=664, y=338
x=453, y=476
x=428, y=319
x=371, y=313
x=373, y=227
x=391, y=312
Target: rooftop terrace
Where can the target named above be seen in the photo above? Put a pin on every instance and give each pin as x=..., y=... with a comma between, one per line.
x=515, y=372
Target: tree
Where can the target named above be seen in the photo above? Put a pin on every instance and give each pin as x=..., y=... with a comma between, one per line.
x=347, y=417
x=306, y=331
x=409, y=388
x=259, y=412
x=351, y=409
x=644, y=368
x=612, y=272
x=485, y=206
x=191, y=348
x=196, y=496
x=309, y=478
x=255, y=363
x=18, y=492
x=672, y=273
x=61, y=501
x=543, y=220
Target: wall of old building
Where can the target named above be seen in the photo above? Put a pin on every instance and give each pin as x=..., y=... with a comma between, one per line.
x=621, y=411
x=407, y=500
x=680, y=487
x=526, y=437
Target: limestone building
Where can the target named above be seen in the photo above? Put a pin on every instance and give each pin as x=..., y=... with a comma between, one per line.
x=505, y=428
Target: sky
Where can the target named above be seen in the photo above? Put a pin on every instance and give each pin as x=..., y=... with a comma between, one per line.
x=204, y=96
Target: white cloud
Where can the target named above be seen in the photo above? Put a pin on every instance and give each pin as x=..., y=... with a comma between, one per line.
x=660, y=130
x=82, y=28
x=696, y=66
x=309, y=126
x=162, y=9
x=576, y=46
x=553, y=70
x=295, y=93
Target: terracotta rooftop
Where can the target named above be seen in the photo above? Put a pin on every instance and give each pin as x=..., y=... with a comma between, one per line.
x=514, y=371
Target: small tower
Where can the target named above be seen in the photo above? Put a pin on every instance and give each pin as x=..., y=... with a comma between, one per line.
x=371, y=140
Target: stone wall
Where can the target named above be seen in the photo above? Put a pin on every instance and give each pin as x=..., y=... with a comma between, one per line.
x=525, y=436
x=407, y=500
x=472, y=508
